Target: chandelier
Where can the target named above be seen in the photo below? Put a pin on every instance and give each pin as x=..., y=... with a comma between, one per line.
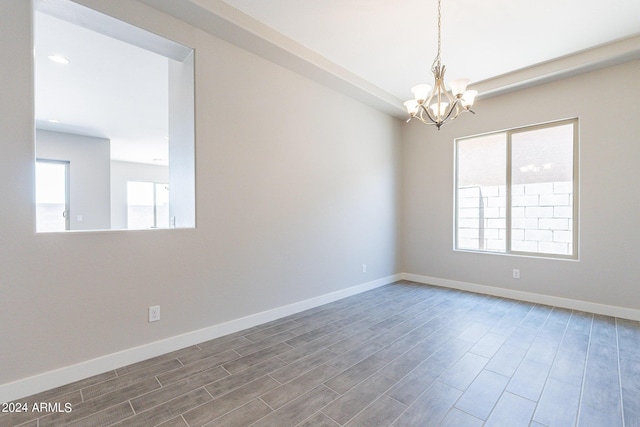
x=439, y=106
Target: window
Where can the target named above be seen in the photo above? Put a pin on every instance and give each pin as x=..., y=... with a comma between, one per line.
x=147, y=205
x=116, y=102
x=52, y=195
x=516, y=191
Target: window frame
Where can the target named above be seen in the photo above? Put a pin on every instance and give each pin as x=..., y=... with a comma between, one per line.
x=508, y=190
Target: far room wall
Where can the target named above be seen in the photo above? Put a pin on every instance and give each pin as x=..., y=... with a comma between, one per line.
x=607, y=270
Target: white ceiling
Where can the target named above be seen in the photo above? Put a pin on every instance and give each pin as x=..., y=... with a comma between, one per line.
x=110, y=89
x=374, y=50
x=392, y=44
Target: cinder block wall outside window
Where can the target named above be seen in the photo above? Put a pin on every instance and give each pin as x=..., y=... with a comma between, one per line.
x=541, y=218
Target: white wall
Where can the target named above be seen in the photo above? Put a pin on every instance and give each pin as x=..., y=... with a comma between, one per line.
x=89, y=175
x=121, y=173
x=608, y=270
x=291, y=202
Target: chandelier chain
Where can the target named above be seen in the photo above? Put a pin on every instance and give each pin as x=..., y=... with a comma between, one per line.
x=437, y=61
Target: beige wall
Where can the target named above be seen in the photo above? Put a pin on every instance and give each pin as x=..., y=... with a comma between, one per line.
x=608, y=269
x=291, y=201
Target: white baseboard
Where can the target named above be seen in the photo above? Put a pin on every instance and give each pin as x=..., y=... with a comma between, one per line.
x=591, y=307
x=52, y=379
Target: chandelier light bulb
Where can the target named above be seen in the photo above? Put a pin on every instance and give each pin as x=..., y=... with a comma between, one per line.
x=421, y=92
x=439, y=109
x=412, y=107
x=459, y=87
x=468, y=98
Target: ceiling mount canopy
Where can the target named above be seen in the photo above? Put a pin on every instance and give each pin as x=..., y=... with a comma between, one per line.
x=438, y=106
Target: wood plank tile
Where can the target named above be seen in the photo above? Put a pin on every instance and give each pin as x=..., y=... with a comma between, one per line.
x=300, y=409
x=601, y=395
x=156, y=360
x=417, y=354
x=104, y=401
x=488, y=345
x=257, y=357
x=303, y=365
x=355, y=400
x=482, y=395
x=202, y=365
x=96, y=390
x=319, y=420
x=511, y=410
x=230, y=383
x=287, y=392
x=243, y=416
x=430, y=408
x=506, y=360
x=457, y=418
x=186, y=385
x=212, y=349
x=558, y=404
x=169, y=410
x=355, y=375
x=229, y=402
x=175, y=422
x=464, y=371
x=529, y=379
x=382, y=412
x=106, y=417
x=265, y=343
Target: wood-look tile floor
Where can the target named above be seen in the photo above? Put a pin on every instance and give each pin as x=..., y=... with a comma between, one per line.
x=401, y=355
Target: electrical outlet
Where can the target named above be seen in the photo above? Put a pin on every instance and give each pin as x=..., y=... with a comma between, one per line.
x=516, y=273
x=154, y=313
x=364, y=268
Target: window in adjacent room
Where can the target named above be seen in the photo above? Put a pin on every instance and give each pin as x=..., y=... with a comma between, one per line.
x=516, y=191
x=147, y=205
x=52, y=195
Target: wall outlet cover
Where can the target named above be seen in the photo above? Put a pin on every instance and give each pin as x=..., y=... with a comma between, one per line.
x=154, y=313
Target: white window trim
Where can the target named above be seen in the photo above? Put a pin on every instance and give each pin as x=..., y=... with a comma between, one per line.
x=575, y=220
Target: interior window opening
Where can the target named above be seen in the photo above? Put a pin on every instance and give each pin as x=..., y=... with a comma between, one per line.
x=115, y=102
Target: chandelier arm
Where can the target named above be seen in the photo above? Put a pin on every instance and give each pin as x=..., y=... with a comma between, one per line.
x=420, y=116
x=426, y=122
x=426, y=111
x=456, y=107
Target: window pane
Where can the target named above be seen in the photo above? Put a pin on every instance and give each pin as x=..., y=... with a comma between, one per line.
x=162, y=205
x=542, y=190
x=51, y=196
x=139, y=205
x=481, y=195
